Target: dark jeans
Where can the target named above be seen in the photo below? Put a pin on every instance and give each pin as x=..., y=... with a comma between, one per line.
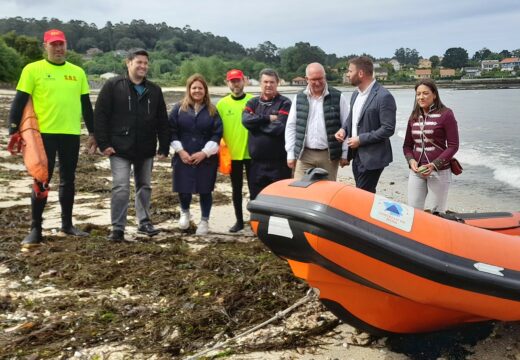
x=66, y=147
x=206, y=201
x=237, y=181
x=266, y=172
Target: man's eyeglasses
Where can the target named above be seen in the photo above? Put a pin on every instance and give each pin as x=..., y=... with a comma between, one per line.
x=321, y=79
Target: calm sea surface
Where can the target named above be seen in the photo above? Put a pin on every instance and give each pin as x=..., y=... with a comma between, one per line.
x=489, y=130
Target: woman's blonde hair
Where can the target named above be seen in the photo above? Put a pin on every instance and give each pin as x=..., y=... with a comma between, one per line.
x=188, y=101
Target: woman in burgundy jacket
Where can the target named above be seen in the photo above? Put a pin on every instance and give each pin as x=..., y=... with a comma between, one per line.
x=431, y=141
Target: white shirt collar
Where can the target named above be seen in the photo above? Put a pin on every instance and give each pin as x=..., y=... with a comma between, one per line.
x=367, y=90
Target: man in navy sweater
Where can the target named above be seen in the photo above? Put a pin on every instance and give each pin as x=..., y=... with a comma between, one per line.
x=265, y=117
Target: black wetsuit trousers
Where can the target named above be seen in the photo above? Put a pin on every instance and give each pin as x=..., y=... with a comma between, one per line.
x=237, y=181
x=66, y=147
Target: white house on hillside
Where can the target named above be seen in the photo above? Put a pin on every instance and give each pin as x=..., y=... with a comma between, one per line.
x=471, y=72
x=107, y=75
x=509, y=64
x=489, y=64
x=395, y=64
x=424, y=64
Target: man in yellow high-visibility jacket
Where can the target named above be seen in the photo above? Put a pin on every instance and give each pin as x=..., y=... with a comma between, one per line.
x=235, y=136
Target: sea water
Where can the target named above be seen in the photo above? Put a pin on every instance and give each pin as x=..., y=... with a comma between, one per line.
x=489, y=149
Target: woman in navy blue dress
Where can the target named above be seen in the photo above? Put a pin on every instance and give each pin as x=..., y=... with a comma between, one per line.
x=196, y=131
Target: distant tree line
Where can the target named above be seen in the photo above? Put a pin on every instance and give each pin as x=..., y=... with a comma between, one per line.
x=82, y=36
x=177, y=52
x=455, y=57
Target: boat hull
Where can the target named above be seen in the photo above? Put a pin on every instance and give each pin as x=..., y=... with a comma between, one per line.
x=410, y=273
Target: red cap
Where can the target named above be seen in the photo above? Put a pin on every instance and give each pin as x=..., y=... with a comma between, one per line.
x=234, y=74
x=53, y=35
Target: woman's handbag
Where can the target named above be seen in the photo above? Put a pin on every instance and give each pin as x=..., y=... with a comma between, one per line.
x=456, y=168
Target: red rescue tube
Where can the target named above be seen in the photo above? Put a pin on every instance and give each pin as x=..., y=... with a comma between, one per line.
x=30, y=143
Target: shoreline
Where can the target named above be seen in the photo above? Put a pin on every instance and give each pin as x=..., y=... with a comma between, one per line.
x=462, y=84
x=293, y=89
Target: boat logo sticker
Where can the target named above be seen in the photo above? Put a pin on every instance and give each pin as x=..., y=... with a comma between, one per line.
x=279, y=226
x=392, y=213
x=490, y=269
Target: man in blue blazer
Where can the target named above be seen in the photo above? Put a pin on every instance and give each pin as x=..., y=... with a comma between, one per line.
x=369, y=126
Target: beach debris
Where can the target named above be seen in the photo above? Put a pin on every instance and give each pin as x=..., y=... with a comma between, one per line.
x=4, y=269
x=20, y=327
x=49, y=273
x=278, y=316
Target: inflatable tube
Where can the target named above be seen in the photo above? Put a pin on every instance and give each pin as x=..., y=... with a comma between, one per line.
x=28, y=140
x=385, y=267
x=33, y=150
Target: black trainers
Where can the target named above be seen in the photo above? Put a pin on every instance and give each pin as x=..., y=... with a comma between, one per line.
x=33, y=239
x=74, y=231
x=239, y=225
x=117, y=236
x=147, y=229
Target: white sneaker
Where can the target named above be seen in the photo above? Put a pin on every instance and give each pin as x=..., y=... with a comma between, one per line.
x=184, y=220
x=202, y=228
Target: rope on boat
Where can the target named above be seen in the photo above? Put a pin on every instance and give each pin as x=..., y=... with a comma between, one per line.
x=308, y=296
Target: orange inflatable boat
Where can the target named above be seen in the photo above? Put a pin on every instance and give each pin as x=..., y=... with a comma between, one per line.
x=30, y=143
x=385, y=267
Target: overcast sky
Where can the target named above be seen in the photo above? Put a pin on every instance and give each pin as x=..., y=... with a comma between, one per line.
x=343, y=27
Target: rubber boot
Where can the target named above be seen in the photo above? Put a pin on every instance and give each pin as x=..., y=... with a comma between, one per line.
x=69, y=229
x=34, y=238
x=67, y=202
x=239, y=225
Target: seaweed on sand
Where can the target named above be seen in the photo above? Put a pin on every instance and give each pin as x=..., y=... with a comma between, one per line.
x=165, y=299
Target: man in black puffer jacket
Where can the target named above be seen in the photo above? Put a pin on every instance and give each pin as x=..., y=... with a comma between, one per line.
x=129, y=117
x=265, y=117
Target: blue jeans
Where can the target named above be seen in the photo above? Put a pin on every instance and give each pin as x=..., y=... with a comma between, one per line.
x=121, y=190
x=206, y=201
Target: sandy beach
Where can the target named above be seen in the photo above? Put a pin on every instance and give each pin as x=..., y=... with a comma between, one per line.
x=497, y=341
x=30, y=328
